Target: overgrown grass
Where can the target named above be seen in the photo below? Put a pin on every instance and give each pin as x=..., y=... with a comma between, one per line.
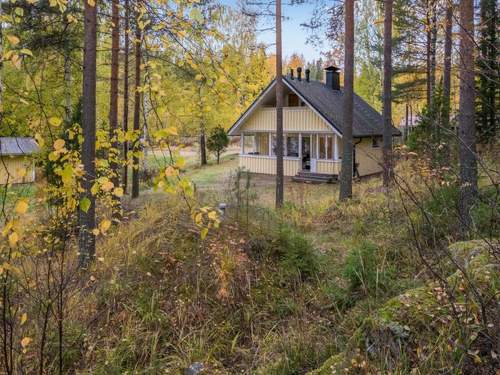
x=270, y=292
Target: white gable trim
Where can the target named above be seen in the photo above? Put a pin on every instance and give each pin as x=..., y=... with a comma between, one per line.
x=241, y=121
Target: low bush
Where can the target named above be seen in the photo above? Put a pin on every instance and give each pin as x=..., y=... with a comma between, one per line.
x=295, y=252
x=366, y=270
x=441, y=213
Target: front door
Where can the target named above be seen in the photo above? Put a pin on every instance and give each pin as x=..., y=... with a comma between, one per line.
x=308, y=161
x=306, y=153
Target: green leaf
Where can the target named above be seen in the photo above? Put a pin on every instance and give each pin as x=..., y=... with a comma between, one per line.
x=85, y=204
x=196, y=15
x=26, y=51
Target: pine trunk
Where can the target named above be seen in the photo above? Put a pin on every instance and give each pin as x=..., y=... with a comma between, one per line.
x=428, y=63
x=203, y=147
x=467, y=127
x=113, y=100
x=433, y=42
x=347, y=158
x=126, y=93
x=279, y=111
x=1, y=68
x=87, y=219
x=488, y=92
x=137, y=111
x=387, y=94
x=407, y=110
x=431, y=39
x=445, y=118
x=68, y=105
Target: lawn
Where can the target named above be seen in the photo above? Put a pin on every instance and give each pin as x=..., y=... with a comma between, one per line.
x=214, y=181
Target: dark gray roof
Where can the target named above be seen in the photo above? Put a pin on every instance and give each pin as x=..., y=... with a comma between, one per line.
x=329, y=103
x=17, y=146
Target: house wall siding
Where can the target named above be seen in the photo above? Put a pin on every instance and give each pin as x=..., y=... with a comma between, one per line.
x=300, y=119
x=328, y=167
x=267, y=165
x=368, y=158
x=10, y=167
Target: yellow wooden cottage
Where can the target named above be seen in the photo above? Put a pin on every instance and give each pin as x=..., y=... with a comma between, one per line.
x=16, y=160
x=312, y=126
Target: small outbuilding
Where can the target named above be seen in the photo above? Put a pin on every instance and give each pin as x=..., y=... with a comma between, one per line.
x=16, y=160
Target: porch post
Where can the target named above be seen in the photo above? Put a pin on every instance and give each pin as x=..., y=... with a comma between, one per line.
x=326, y=146
x=311, y=147
x=270, y=140
x=336, y=148
x=242, y=144
x=300, y=146
x=317, y=146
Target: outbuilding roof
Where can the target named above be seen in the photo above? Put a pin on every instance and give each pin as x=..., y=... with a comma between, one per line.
x=328, y=103
x=18, y=146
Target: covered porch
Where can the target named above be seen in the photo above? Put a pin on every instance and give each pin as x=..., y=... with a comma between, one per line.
x=304, y=152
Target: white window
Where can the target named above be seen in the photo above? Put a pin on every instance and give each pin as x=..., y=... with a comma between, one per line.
x=322, y=147
x=331, y=144
x=326, y=146
x=249, y=144
x=273, y=144
x=292, y=145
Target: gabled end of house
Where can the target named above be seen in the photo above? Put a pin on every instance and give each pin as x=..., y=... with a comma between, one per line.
x=313, y=126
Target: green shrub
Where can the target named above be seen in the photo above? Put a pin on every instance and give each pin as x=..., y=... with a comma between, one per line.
x=364, y=271
x=441, y=210
x=295, y=253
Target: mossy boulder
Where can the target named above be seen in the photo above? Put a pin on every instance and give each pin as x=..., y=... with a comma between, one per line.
x=434, y=326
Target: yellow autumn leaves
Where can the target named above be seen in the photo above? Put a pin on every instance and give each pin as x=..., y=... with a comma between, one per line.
x=21, y=206
x=12, y=229
x=206, y=218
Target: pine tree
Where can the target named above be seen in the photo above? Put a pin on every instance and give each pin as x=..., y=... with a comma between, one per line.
x=87, y=217
x=467, y=126
x=387, y=102
x=279, y=110
x=488, y=103
x=126, y=92
x=347, y=159
x=137, y=108
x=113, y=99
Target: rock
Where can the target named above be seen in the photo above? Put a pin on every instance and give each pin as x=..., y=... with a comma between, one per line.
x=194, y=369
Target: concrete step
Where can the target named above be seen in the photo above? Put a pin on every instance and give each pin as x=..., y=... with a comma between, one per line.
x=314, y=180
x=324, y=176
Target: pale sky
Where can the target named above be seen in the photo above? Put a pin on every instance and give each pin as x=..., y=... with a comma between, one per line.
x=294, y=36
